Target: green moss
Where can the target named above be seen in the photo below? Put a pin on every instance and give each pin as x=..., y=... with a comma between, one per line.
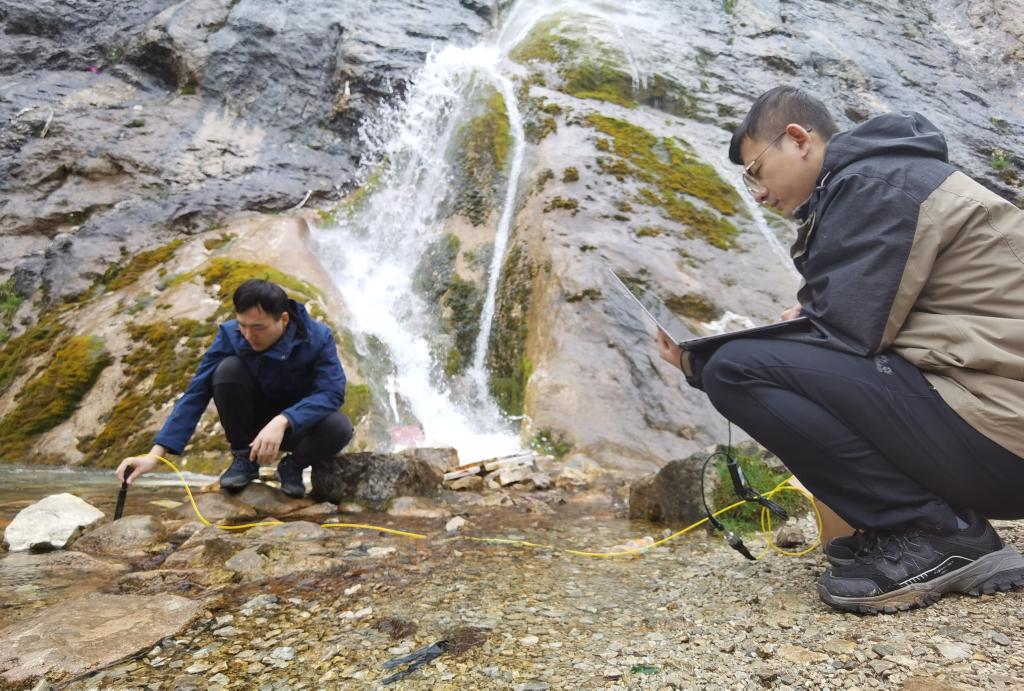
x=650, y=232
x=35, y=340
x=542, y=179
x=481, y=158
x=547, y=43
x=552, y=443
x=624, y=206
x=125, y=273
x=746, y=519
x=507, y=362
x=670, y=176
x=357, y=402
x=10, y=301
x=695, y=306
x=52, y=395
x=228, y=274
x=356, y=201
x=213, y=244
x=568, y=204
x=585, y=294
x=570, y=174
x=599, y=81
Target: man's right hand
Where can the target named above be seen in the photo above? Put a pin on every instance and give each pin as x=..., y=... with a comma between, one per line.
x=792, y=313
x=140, y=465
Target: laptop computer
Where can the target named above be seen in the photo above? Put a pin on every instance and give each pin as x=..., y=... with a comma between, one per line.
x=670, y=324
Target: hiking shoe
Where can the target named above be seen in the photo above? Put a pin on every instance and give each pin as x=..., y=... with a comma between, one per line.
x=842, y=551
x=913, y=568
x=290, y=474
x=241, y=472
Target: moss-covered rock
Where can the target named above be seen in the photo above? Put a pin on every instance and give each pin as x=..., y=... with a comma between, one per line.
x=507, y=360
x=670, y=176
x=127, y=271
x=10, y=301
x=52, y=395
x=694, y=306
x=481, y=157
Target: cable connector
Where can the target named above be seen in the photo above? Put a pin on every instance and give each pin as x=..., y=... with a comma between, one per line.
x=737, y=544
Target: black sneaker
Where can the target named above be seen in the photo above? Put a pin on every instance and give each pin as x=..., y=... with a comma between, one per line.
x=241, y=473
x=290, y=474
x=842, y=551
x=913, y=568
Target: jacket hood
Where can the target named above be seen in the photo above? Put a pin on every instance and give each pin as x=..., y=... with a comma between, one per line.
x=889, y=135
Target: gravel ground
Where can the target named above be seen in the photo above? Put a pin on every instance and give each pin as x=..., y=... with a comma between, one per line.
x=689, y=615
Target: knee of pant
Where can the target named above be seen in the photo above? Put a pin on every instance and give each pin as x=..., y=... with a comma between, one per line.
x=338, y=426
x=728, y=367
x=231, y=370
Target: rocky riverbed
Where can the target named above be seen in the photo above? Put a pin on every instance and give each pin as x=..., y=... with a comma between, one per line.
x=302, y=606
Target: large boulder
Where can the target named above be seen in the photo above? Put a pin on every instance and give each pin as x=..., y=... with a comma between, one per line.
x=376, y=478
x=50, y=523
x=131, y=536
x=89, y=632
x=673, y=494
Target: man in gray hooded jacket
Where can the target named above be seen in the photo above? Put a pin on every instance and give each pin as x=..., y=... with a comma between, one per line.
x=902, y=407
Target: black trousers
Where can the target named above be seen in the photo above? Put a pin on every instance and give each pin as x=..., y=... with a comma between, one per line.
x=244, y=410
x=869, y=436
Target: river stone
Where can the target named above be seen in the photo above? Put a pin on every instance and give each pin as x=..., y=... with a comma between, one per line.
x=89, y=632
x=672, y=495
x=131, y=536
x=50, y=523
x=290, y=532
x=29, y=581
x=217, y=507
x=376, y=478
x=416, y=507
x=270, y=501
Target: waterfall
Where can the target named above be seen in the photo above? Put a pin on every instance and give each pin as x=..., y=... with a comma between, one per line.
x=374, y=247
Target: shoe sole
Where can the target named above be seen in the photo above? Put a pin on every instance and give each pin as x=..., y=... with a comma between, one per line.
x=237, y=485
x=999, y=571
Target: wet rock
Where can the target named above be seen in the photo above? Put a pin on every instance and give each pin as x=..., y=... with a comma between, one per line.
x=578, y=471
x=131, y=536
x=217, y=507
x=315, y=511
x=270, y=501
x=30, y=581
x=376, y=478
x=289, y=532
x=673, y=494
x=248, y=562
x=181, y=581
x=473, y=483
x=50, y=523
x=104, y=628
x=416, y=507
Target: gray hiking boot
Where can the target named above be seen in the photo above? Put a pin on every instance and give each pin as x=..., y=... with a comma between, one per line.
x=913, y=568
x=241, y=472
x=842, y=551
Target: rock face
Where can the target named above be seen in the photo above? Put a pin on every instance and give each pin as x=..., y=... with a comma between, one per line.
x=104, y=628
x=167, y=116
x=377, y=478
x=50, y=523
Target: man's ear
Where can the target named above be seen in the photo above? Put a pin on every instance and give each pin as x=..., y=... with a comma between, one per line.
x=285, y=317
x=801, y=136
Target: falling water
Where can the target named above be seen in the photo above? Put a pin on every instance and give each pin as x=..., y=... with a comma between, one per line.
x=374, y=249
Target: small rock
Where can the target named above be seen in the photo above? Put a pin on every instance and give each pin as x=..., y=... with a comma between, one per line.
x=455, y=524
x=471, y=482
x=1000, y=638
x=416, y=507
x=611, y=673
x=283, y=653
x=953, y=651
x=529, y=640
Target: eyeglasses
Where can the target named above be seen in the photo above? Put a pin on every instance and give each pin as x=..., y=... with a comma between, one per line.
x=749, y=179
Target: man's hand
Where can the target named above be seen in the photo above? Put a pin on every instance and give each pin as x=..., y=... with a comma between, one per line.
x=668, y=350
x=792, y=313
x=268, y=442
x=140, y=465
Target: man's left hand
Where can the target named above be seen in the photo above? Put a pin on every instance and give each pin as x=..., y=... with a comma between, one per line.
x=268, y=442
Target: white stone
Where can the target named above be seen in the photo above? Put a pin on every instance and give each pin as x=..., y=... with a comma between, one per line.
x=50, y=523
x=455, y=524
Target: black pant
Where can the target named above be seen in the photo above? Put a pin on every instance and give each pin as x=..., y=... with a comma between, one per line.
x=244, y=410
x=869, y=436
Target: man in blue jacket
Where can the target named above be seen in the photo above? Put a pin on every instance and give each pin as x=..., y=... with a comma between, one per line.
x=901, y=408
x=273, y=373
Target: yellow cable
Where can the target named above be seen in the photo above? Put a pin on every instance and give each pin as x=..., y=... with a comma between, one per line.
x=765, y=525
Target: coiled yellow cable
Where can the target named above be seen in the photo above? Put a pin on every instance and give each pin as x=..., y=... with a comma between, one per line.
x=765, y=526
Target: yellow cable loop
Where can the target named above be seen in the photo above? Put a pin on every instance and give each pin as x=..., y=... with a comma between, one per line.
x=765, y=526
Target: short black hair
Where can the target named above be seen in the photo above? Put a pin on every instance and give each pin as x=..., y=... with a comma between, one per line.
x=257, y=292
x=776, y=108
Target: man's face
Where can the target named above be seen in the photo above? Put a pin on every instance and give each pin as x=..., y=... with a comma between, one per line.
x=784, y=171
x=260, y=329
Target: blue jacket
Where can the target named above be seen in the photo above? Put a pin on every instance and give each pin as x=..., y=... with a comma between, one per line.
x=301, y=372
